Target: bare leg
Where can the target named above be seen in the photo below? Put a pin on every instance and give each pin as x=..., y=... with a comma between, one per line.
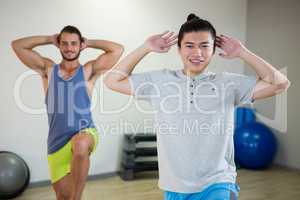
x=62, y=188
x=82, y=145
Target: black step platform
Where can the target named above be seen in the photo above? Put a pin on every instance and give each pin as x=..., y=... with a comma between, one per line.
x=141, y=166
x=131, y=153
x=143, y=151
x=141, y=137
x=127, y=172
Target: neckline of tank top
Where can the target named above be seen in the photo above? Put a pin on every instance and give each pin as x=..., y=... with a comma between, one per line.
x=70, y=78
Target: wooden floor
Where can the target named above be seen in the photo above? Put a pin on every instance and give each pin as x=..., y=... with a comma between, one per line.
x=275, y=183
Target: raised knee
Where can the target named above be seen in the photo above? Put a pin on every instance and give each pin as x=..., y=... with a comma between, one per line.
x=81, y=147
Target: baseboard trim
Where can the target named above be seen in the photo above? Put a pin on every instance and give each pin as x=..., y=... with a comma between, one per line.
x=91, y=177
x=281, y=165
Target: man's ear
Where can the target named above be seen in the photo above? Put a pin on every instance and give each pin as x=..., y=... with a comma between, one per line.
x=82, y=44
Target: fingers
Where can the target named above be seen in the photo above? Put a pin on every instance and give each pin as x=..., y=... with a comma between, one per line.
x=224, y=37
x=172, y=38
x=171, y=43
x=167, y=34
x=163, y=42
x=55, y=40
x=218, y=44
x=221, y=40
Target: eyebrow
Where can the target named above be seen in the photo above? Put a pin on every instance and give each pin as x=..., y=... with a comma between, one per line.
x=69, y=41
x=206, y=42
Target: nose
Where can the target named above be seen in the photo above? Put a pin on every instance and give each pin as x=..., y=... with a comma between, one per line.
x=197, y=52
x=68, y=47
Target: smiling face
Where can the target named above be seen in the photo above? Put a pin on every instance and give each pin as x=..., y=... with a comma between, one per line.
x=69, y=45
x=196, y=50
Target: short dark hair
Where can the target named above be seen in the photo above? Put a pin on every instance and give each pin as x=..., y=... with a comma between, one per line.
x=70, y=29
x=194, y=24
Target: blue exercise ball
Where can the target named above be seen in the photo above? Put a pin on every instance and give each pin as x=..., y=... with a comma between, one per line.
x=255, y=146
x=14, y=175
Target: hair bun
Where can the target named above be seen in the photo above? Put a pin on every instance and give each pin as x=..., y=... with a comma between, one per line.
x=192, y=16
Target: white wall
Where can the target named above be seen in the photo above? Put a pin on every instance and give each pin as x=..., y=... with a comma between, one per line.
x=126, y=21
x=273, y=32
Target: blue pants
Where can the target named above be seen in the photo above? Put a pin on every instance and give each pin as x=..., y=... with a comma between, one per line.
x=217, y=191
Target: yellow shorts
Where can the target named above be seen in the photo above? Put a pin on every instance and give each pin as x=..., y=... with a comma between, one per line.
x=60, y=161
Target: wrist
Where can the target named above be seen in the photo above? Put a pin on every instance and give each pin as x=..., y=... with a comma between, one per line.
x=145, y=48
x=244, y=53
x=49, y=40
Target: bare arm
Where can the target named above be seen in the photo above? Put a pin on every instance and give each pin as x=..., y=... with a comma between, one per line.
x=24, y=50
x=112, y=53
x=117, y=78
x=270, y=80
